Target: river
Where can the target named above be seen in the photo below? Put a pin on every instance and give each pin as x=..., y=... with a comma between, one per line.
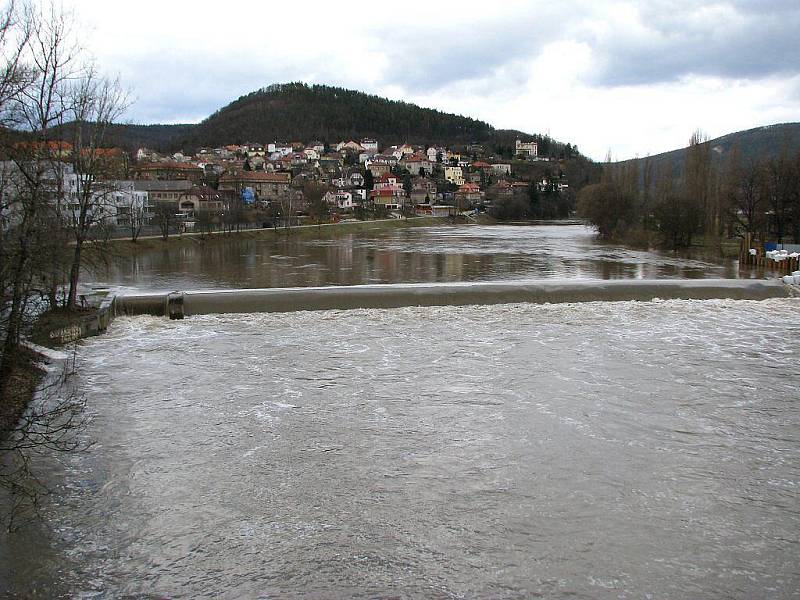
x=597, y=450
x=403, y=255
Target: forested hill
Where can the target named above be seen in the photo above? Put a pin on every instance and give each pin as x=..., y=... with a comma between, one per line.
x=751, y=145
x=157, y=137
x=301, y=112
x=297, y=111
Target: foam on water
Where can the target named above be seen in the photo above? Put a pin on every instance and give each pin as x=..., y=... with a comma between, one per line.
x=601, y=449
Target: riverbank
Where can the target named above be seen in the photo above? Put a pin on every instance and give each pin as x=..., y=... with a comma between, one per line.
x=124, y=246
x=26, y=375
x=51, y=331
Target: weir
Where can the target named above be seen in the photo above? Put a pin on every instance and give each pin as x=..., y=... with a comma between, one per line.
x=176, y=305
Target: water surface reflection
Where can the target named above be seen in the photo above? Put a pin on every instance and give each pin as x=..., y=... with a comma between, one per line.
x=407, y=255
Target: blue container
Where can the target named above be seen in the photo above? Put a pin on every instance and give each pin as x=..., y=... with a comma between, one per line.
x=248, y=195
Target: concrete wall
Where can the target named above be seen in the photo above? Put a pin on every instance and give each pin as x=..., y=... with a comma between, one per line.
x=177, y=305
x=93, y=324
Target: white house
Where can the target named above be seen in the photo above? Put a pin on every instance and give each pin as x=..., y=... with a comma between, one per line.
x=145, y=155
x=370, y=146
x=434, y=151
x=529, y=149
x=501, y=168
x=340, y=198
x=124, y=204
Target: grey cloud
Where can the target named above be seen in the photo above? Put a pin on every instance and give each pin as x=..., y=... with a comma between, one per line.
x=187, y=89
x=489, y=53
x=429, y=58
x=765, y=6
x=753, y=45
x=757, y=41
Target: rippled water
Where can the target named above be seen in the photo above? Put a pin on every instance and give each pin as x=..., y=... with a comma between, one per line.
x=406, y=255
x=600, y=450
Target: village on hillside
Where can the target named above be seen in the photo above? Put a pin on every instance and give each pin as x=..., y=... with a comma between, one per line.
x=277, y=184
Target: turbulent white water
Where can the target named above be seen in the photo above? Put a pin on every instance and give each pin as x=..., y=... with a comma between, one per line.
x=602, y=450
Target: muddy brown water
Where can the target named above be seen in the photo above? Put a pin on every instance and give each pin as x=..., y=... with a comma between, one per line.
x=407, y=255
x=595, y=450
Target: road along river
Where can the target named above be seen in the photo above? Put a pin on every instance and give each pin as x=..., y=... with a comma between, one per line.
x=595, y=450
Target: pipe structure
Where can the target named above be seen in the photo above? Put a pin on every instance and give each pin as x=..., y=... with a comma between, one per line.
x=176, y=305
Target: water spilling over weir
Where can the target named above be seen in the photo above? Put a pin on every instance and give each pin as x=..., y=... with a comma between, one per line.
x=490, y=439
x=180, y=304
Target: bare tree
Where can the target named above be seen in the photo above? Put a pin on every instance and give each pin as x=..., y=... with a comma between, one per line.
x=287, y=208
x=138, y=218
x=314, y=195
x=697, y=181
x=781, y=185
x=94, y=103
x=164, y=217
x=746, y=196
x=43, y=87
x=43, y=64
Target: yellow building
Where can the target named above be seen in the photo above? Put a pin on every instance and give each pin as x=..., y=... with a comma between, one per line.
x=454, y=175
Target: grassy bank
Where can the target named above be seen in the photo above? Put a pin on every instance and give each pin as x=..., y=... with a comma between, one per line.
x=126, y=246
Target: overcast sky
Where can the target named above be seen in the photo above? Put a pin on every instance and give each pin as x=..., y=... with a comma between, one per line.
x=632, y=78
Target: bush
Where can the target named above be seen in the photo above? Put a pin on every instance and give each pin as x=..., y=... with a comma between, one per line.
x=608, y=208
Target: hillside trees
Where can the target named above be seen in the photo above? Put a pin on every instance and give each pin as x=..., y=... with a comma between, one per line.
x=292, y=110
x=762, y=197
x=712, y=198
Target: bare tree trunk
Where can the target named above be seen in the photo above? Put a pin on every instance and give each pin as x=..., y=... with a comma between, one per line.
x=74, y=275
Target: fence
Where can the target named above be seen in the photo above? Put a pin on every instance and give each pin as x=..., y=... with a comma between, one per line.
x=781, y=258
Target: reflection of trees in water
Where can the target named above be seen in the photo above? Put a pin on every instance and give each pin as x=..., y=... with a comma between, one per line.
x=407, y=256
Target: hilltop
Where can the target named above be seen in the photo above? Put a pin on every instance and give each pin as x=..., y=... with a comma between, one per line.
x=752, y=145
x=297, y=111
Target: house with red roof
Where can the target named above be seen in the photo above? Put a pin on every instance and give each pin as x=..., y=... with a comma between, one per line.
x=167, y=170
